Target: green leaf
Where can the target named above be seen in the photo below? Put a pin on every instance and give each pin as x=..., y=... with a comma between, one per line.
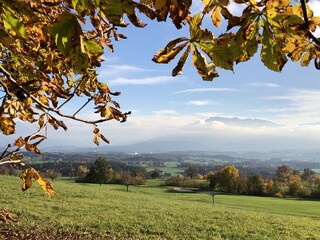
x=66, y=32
x=205, y=69
x=245, y=44
x=14, y=26
x=196, y=32
x=93, y=47
x=293, y=20
x=272, y=55
x=5, y=38
x=81, y=6
x=80, y=61
x=221, y=56
x=114, y=10
x=178, y=69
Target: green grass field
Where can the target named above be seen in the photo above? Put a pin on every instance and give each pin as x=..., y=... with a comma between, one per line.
x=152, y=212
x=170, y=167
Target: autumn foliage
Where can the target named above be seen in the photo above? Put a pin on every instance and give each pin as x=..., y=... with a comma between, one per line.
x=50, y=51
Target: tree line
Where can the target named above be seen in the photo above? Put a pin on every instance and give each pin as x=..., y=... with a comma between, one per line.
x=228, y=179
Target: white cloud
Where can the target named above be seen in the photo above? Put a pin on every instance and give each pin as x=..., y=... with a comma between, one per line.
x=166, y=122
x=201, y=90
x=263, y=85
x=274, y=110
x=205, y=115
x=201, y=103
x=165, y=112
x=304, y=105
x=315, y=7
x=142, y=81
x=127, y=68
x=119, y=70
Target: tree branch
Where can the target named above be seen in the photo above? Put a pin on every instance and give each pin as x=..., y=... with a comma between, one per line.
x=89, y=100
x=2, y=104
x=11, y=162
x=1, y=157
x=55, y=110
x=74, y=92
x=104, y=32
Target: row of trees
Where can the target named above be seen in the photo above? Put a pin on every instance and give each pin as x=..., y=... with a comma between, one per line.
x=102, y=173
x=228, y=179
x=287, y=181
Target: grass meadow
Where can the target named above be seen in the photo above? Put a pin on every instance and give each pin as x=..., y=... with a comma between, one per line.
x=151, y=212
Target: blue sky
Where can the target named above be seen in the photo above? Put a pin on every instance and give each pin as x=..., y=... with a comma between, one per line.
x=162, y=105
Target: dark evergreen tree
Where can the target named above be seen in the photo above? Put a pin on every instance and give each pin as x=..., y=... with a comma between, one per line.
x=99, y=172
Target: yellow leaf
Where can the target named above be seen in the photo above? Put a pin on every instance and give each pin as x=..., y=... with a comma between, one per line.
x=254, y=4
x=104, y=138
x=32, y=148
x=278, y=4
x=7, y=126
x=314, y=23
x=166, y=55
x=96, y=139
x=29, y=174
x=297, y=10
x=216, y=16
x=306, y=58
x=20, y=142
x=41, y=120
x=46, y=186
x=178, y=69
x=26, y=177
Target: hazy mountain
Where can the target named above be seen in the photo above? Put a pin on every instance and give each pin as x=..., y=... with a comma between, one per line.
x=66, y=148
x=243, y=122
x=215, y=143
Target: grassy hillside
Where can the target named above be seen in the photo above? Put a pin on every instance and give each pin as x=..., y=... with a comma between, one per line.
x=152, y=212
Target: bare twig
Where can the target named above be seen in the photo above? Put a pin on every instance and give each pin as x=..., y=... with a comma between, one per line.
x=89, y=100
x=5, y=151
x=11, y=162
x=104, y=32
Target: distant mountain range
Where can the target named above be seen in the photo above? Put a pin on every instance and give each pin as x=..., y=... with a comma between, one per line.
x=214, y=143
x=245, y=122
